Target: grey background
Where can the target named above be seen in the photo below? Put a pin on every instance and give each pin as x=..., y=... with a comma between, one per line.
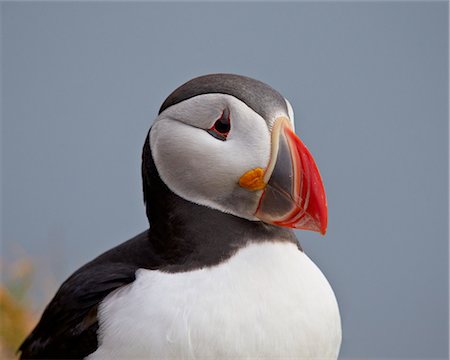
x=82, y=83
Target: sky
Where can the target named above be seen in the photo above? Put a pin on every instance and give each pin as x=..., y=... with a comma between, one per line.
x=82, y=83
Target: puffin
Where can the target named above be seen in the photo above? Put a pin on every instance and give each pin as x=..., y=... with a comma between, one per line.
x=219, y=273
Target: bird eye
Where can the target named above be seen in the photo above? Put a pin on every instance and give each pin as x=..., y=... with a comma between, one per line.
x=221, y=127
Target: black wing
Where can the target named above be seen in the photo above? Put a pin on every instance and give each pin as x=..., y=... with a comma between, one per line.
x=68, y=326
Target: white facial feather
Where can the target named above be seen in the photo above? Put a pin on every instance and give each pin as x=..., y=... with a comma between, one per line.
x=203, y=169
x=269, y=301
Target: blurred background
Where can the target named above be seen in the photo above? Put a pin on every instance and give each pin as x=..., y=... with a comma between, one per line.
x=82, y=83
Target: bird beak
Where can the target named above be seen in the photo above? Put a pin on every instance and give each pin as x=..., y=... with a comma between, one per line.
x=293, y=193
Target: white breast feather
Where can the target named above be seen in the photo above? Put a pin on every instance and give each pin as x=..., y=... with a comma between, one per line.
x=269, y=301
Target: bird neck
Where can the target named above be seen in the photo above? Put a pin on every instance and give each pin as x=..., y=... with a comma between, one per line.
x=187, y=235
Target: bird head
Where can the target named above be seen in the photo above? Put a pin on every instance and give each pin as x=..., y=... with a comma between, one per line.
x=228, y=142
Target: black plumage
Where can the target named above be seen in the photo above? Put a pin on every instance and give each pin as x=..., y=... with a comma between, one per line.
x=262, y=98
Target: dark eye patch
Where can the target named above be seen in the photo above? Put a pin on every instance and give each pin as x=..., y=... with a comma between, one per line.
x=222, y=126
